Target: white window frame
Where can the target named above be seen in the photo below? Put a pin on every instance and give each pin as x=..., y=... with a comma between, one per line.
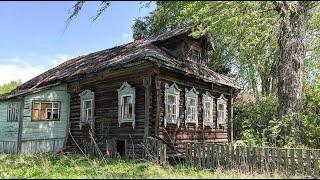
x=85, y=96
x=192, y=94
x=222, y=120
x=208, y=120
x=172, y=90
x=46, y=110
x=13, y=112
x=85, y=110
x=123, y=91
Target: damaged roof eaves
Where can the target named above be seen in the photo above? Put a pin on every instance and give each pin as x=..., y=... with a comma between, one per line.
x=116, y=57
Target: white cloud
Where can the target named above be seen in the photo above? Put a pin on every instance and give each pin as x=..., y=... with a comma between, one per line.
x=127, y=36
x=16, y=68
x=23, y=72
x=59, y=58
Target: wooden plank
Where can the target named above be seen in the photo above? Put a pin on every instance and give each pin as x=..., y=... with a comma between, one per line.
x=316, y=167
x=233, y=156
x=148, y=95
x=238, y=162
x=300, y=161
x=222, y=156
x=158, y=99
x=292, y=161
x=286, y=160
x=20, y=126
x=272, y=160
x=279, y=160
x=308, y=162
x=266, y=160
x=214, y=156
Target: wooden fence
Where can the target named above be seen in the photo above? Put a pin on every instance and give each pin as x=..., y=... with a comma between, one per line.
x=155, y=150
x=259, y=159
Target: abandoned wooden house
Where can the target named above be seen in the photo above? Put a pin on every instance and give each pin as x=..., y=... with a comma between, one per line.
x=158, y=87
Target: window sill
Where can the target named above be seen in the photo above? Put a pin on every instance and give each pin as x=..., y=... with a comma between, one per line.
x=44, y=120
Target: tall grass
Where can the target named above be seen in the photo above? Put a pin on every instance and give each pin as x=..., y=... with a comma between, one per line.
x=77, y=166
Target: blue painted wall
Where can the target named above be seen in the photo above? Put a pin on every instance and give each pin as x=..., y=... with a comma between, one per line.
x=45, y=136
x=37, y=136
x=8, y=130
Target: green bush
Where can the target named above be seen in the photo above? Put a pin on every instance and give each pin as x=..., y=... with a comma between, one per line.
x=253, y=120
x=256, y=123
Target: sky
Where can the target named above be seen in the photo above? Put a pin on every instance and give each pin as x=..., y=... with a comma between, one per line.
x=33, y=40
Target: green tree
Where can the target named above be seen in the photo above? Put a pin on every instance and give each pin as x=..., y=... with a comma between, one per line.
x=9, y=86
x=265, y=40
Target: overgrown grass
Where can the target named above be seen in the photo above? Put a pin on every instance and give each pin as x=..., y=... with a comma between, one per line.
x=77, y=166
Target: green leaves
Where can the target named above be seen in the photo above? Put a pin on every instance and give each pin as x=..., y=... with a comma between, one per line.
x=9, y=86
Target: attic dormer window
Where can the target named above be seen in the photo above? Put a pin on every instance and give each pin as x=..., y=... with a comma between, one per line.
x=194, y=55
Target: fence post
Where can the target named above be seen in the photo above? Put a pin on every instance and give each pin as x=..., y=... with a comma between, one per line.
x=308, y=162
x=214, y=156
x=292, y=161
x=300, y=161
x=285, y=158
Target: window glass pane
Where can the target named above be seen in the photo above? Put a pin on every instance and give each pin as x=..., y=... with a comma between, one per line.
x=42, y=115
x=174, y=111
x=128, y=108
x=192, y=102
x=49, y=114
x=35, y=114
x=171, y=99
x=170, y=111
x=55, y=114
x=55, y=105
x=221, y=107
x=127, y=99
x=36, y=105
x=88, y=114
x=207, y=105
x=46, y=105
x=193, y=113
x=87, y=104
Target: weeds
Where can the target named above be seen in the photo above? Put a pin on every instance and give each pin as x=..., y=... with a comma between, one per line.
x=77, y=166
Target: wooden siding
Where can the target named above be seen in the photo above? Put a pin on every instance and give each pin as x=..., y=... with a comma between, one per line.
x=8, y=131
x=106, y=127
x=45, y=136
x=180, y=136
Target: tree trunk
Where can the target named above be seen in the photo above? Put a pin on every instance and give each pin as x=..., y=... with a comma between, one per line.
x=290, y=67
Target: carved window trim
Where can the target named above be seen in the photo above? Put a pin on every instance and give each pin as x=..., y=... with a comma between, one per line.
x=172, y=90
x=222, y=115
x=207, y=119
x=191, y=95
x=126, y=91
x=86, y=96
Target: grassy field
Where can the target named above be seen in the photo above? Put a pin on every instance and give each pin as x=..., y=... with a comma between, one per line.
x=77, y=166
